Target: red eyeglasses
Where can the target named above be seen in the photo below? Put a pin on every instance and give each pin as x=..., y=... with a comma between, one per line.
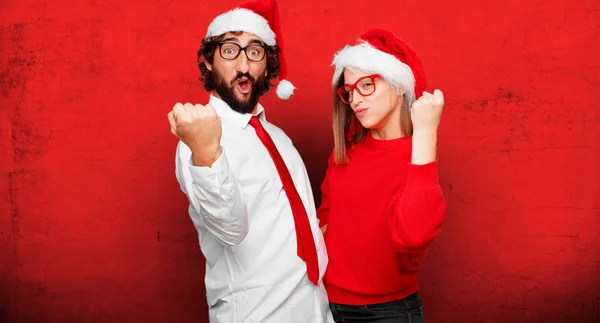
x=365, y=86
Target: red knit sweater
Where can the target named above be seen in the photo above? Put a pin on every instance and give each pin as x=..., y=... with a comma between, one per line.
x=382, y=214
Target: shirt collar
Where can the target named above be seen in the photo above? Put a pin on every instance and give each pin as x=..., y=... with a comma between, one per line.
x=239, y=119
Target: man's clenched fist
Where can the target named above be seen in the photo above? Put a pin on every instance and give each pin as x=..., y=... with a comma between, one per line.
x=199, y=127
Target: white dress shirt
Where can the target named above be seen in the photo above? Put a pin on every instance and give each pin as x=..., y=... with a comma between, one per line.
x=246, y=227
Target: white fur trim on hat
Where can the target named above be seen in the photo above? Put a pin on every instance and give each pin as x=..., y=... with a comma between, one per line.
x=369, y=59
x=285, y=89
x=242, y=20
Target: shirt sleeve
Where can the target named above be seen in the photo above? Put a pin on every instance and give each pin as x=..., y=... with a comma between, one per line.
x=416, y=212
x=216, y=199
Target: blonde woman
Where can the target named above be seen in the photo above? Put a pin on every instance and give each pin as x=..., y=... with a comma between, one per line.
x=382, y=203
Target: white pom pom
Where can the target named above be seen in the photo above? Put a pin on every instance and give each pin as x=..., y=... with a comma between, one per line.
x=285, y=89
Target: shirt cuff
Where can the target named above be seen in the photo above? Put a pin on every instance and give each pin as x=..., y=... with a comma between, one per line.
x=422, y=176
x=210, y=177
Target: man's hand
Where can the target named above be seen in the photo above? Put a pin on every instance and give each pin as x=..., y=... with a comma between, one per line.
x=199, y=127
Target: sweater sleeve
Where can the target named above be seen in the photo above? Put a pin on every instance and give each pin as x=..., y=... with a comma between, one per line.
x=416, y=212
x=323, y=210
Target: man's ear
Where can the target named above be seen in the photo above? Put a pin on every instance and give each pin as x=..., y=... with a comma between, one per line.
x=208, y=66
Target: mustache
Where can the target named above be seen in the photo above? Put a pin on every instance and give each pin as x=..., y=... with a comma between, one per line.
x=240, y=75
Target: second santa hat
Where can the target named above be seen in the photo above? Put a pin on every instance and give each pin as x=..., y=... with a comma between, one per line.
x=382, y=52
x=259, y=17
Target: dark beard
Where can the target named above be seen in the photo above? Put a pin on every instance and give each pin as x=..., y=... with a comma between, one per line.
x=226, y=93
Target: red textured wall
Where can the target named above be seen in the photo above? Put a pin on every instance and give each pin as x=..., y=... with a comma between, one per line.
x=93, y=227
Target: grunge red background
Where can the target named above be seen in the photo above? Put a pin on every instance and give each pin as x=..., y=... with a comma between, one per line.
x=93, y=226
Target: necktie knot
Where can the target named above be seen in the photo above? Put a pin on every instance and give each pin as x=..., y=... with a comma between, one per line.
x=255, y=122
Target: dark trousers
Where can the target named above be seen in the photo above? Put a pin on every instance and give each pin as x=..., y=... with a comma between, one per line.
x=407, y=310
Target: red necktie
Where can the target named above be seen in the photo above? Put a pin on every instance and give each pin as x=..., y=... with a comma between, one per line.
x=304, y=237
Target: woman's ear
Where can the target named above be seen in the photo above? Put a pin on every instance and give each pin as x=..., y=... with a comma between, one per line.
x=400, y=92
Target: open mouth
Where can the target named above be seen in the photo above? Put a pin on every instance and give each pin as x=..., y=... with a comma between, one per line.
x=244, y=85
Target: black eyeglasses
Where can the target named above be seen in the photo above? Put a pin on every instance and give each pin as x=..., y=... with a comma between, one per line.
x=230, y=51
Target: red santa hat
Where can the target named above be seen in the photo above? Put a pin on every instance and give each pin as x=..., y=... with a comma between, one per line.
x=259, y=17
x=379, y=51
